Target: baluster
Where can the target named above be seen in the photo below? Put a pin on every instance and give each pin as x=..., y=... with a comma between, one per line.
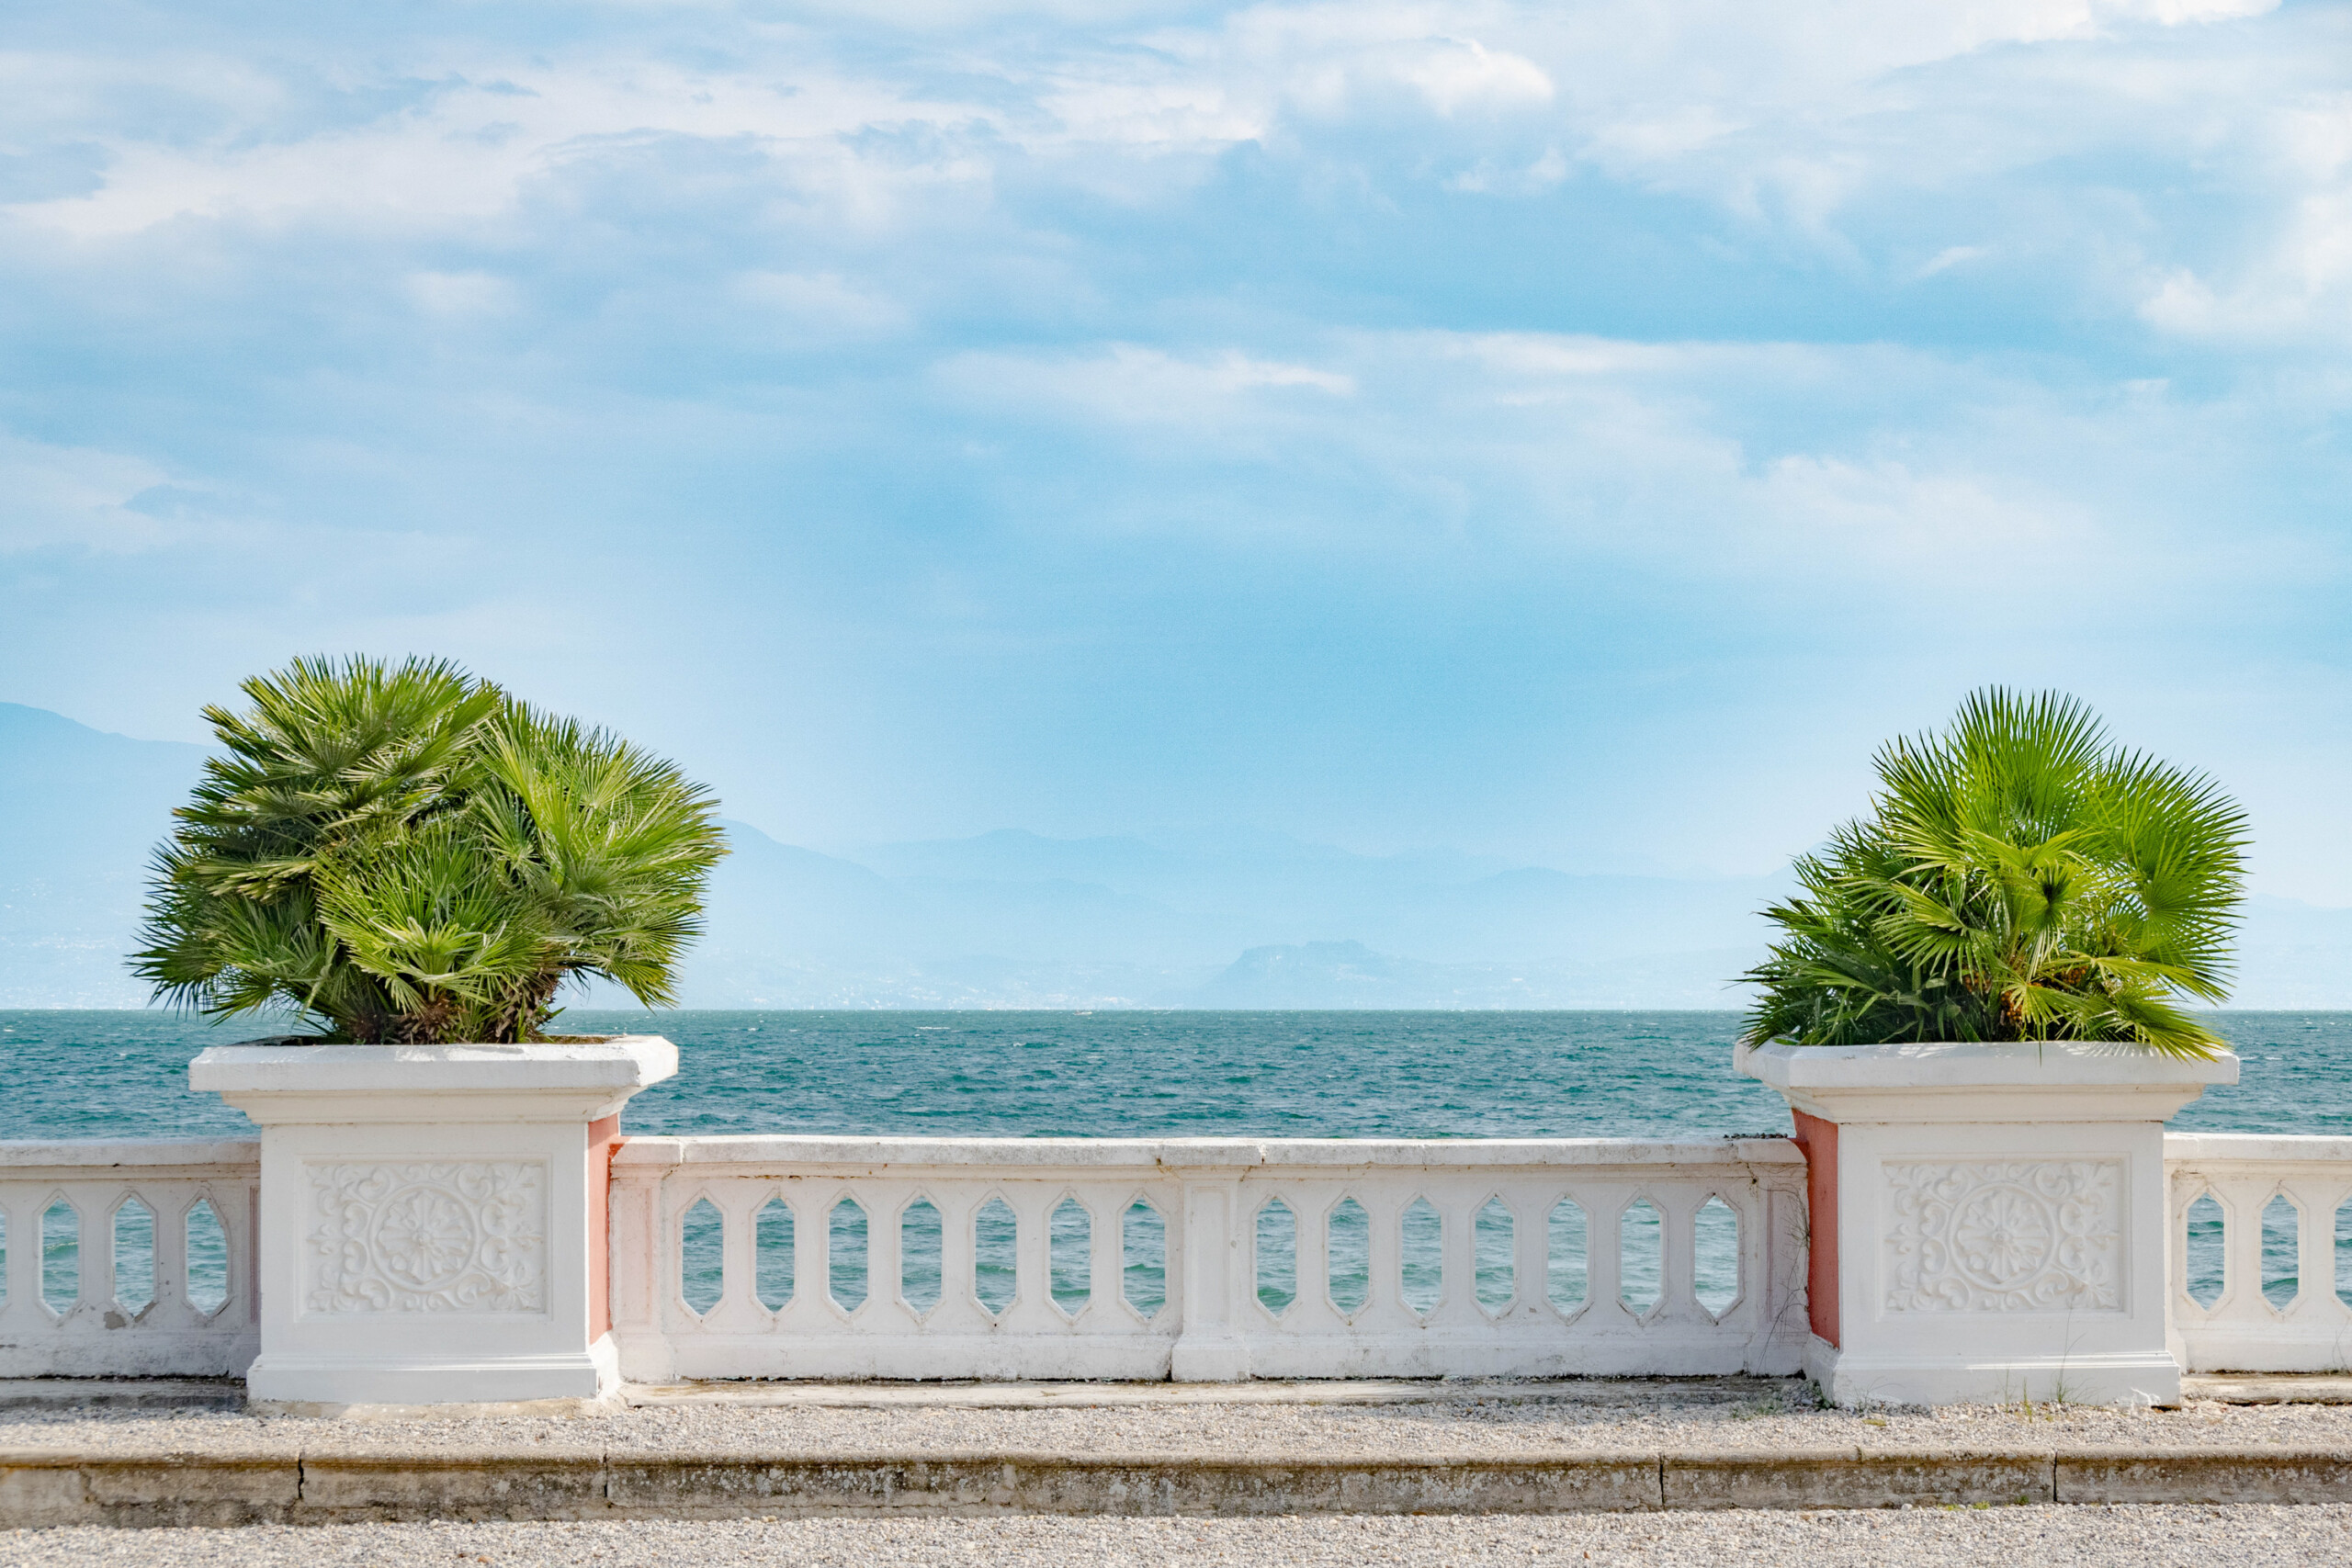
x=960, y=1308
x=1457, y=1210
x=172, y=1305
x=1677, y=1271
x=2241, y=1249
x=2314, y=1249
x=885, y=1265
x=739, y=1303
x=1106, y=1214
x=1033, y=1276
x=1604, y=1241
x=1531, y=1250
x=804, y=1312
x=1384, y=1211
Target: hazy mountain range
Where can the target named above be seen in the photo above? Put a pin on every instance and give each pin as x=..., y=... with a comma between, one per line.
x=1235, y=918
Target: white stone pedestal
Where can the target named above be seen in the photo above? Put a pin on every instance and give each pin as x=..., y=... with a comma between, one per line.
x=432, y=1224
x=1987, y=1221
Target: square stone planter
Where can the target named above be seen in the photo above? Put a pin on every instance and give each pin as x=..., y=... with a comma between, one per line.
x=1987, y=1221
x=432, y=1224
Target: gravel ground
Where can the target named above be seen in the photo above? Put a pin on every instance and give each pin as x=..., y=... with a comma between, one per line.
x=2244, y=1537
x=1750, y=1415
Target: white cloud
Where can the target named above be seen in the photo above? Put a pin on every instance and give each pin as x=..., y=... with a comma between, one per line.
x=1950, y=256
x=1135, y=385
x=825, y=305
x=461, y=293
x=2294, y=280
x=1805, y=120
x=1548, y=450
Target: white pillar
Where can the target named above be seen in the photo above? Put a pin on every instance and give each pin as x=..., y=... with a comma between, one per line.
x=1988, y=1221
x=433, y=1217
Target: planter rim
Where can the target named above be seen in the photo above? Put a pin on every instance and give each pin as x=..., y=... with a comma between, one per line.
x=1973, y=1065
x=623, y=1062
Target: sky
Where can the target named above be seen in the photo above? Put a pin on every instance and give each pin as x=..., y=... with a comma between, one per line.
x=1577, y=432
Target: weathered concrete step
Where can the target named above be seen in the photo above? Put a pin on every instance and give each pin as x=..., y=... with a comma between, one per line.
x=2268, y=1388
x=42, y=1488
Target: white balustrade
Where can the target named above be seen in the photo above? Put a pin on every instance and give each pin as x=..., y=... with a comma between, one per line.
x=1220, y=1240
x=104, y=1276
x=2241, y=1329
x=100, y=1279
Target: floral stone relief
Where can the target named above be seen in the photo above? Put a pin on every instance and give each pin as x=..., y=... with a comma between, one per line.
x=428, y=1236
x=2003, y=1235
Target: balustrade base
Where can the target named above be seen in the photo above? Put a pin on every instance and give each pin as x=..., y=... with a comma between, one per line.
x=2268, y=1347
x=285, y=1382
x=2127, y=1378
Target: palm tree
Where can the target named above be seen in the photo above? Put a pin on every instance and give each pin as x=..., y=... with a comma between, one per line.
x=2020, y=878
x=410, y=856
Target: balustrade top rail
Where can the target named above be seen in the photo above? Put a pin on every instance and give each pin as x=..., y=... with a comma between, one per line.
x=1186, y=1153
x=2276, y=1148
x=24, y=1157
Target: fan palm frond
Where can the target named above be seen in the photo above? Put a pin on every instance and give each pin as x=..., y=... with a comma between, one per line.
x=2019, y=877
x=409, y=855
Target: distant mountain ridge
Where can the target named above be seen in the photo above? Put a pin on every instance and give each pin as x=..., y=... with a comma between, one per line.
x=1235, y=918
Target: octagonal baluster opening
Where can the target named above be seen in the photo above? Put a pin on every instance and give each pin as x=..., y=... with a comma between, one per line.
x=2203, y=1250
x=922, y=1242
x=1568, y=1257
x=1715, y=1255
x=2344, y=1253
x=61, y=1257
x=1641, y=1255
x=702, y=1255
x=1348, y=1257
x=1491, y=1235
x=996, y=1238
x=772, y=1238
x=1422, y=1256
x=2282, y=1230
x=1143, y=1259
x=845, y=1255
x=208, y=1258
x=1070, y=1250
x=1277, y=1251
x=134, y=1257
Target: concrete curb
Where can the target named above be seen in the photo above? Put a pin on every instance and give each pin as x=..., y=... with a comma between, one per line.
x=39, y=1488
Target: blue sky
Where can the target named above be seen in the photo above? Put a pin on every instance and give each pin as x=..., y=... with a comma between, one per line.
x=1577, y=433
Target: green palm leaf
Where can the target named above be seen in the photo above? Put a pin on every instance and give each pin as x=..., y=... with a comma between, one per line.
x=408, y=855
x=2019, y=877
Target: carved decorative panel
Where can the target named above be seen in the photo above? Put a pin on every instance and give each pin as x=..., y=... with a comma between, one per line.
x=2004, y=1235
x=441, y=1236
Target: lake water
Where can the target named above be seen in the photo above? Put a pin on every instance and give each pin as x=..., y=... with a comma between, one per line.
x=1327, y=1074
x=1311, y=1075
